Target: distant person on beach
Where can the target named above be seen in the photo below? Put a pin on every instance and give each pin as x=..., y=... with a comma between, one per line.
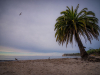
x=49, y=58
x=16, y=59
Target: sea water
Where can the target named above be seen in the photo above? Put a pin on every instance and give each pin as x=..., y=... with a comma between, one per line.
x=34, y=57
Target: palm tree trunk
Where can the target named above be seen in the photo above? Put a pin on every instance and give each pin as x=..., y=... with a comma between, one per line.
x=83, y=53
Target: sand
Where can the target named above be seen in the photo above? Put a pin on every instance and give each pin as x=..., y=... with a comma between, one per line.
x=64, y=66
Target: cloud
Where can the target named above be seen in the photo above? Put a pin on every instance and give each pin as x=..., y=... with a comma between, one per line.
x=8, y=51
x=34, y=28
x=33, y=31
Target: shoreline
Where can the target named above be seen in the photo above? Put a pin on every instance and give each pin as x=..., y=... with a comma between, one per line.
x=37, y=58
x=59, y=66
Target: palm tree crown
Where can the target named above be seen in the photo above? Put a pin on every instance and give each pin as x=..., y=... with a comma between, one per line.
x=73, y=24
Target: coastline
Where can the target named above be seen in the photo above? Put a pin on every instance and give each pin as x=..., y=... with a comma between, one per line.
x=77, y=54
x=7, y=58
x=59, y=66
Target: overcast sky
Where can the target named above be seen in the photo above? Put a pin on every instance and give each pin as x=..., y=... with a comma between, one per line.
x=32, y=33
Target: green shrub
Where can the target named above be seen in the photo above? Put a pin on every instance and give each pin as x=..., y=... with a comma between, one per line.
x=94, y=51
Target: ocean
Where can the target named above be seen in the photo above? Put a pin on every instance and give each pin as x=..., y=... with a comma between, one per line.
x=34, y=57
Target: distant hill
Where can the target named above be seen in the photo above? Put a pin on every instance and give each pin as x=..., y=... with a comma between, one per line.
x=94, y=52
x=74, y=54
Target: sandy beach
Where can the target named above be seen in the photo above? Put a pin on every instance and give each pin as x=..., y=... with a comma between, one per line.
x=64, y=66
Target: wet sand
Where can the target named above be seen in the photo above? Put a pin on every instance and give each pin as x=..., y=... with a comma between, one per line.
x=64, y=66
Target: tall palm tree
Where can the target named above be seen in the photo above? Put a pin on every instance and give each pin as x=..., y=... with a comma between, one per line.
x=71, y=25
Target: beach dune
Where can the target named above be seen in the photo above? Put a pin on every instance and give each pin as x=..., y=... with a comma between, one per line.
x=63, y=66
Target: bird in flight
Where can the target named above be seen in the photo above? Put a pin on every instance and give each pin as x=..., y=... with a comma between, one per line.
x=20, y=14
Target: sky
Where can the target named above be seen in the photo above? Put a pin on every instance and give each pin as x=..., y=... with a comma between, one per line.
x=32, y=33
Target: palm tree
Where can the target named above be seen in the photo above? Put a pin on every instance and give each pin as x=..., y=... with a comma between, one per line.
x=71, y=25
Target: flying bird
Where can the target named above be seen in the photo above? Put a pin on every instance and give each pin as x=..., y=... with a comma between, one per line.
x=20, y=14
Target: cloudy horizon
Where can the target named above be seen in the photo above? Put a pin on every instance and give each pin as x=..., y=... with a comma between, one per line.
x=32, y=33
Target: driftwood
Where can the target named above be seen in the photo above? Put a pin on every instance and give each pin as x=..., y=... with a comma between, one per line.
x=93, y=59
